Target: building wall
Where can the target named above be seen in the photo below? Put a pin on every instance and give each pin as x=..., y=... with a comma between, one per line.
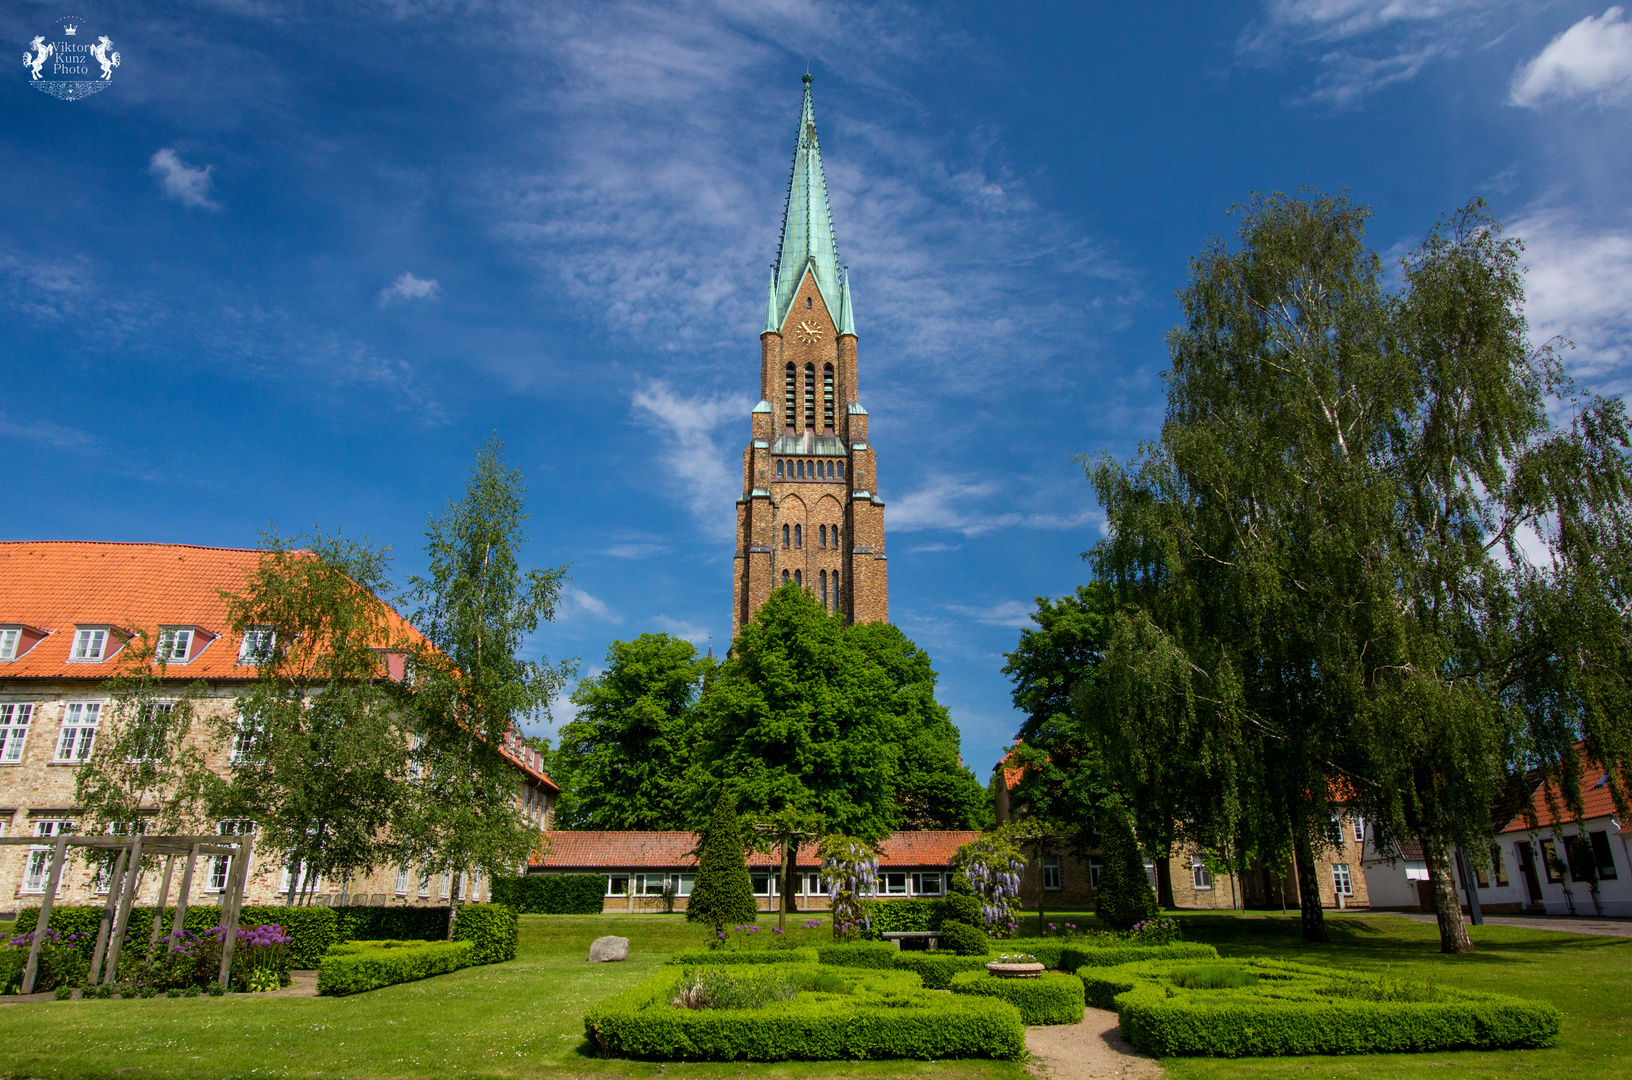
x=36, y=788
x=1569, y=896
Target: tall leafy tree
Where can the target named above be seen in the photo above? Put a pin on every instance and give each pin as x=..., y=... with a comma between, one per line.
x=623, y=761
x=471, y=687
x=320, y=739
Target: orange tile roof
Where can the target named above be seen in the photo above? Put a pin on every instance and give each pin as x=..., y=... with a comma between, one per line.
x=669, y=849
x=56, y=585
x=1596, y=801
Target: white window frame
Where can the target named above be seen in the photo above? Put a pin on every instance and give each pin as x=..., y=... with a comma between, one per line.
x=78, y=736
x=1359, y=829
x=144, y=711
x=9, y=637
x=15, y=717
x=165, y=651
x=37, y=871
x=308, y=881
x=216, y=880
x=921, y=880
x=255, y=649
x=887, y=884
x=611, y=884
x=244, y=734
x=1052, y=863
x=402, y=880
x=1342, y=880
x=769, y=879
x=684, y=883
x=1199, y=876
x=424, y=883
x=84, y=637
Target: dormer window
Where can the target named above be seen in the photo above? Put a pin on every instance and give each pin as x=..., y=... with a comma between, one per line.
x=92, y=645
x=257, y=646
x=175, y=645
x=8, y=643
x=17, y=639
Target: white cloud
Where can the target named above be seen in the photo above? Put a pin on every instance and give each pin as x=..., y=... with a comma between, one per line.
x=1577, y=285
x=946, y=503
x=699, y=466
x=637, y=550
x=184, y=183
x=46, y=433
x=1006, y=613
x=409, y=287
x=686, y=631
x=1593, y=58
x=575, y=601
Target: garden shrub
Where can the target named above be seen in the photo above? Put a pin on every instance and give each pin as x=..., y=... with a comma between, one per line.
x=1214, y=977
x=1124, y=898
x=381, y=922
x=352, y=969
x=63, y=961
x=1073, y=957
x=744, y=956
x=1299, y=1009
x=963, y=939
x=859, y=954
x=885, y=1014
x=492, y=929
x=1051, y=998
x=551, y=894
x=904, y=916
x=724, y=892
x=961, y=907
x=937, y=968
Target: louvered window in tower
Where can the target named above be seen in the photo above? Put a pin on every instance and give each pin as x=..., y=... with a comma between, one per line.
x=789, y=408
x=827, y=397
x=810, y=395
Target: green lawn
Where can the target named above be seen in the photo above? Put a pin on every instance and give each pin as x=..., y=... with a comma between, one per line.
x=523, y=1018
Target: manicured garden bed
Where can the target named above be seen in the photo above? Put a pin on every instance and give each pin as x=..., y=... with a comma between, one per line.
x=1260, y=1008
x=872, y=1014
x=1051, y=998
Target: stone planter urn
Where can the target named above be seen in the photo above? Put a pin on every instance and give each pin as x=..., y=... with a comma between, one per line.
x=1014, y=971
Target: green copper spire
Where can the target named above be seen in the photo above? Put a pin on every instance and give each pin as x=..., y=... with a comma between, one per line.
x=807, y=230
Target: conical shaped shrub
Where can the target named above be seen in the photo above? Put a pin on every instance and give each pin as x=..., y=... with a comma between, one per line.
x=724, y=893
x=1124, y=898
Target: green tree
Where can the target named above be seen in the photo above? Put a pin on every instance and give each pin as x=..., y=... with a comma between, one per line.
x=1124, y=898
x=724, y=893
x=623, y=761
x=471, y=689
x=320, y=741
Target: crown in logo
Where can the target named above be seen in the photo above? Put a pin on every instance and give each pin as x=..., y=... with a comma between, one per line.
x=70, y=29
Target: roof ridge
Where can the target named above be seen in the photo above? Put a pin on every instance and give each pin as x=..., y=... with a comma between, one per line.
x=122, y=543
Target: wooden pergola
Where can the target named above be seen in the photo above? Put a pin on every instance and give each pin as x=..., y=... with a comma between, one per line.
x=122, y=887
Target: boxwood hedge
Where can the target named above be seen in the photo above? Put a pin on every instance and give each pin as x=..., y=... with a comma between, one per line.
x=744, y=956
x=1072, y=957
x=937, y=968
x=1299, y=1009
x=1051, y=998
x=492, y=929
x=552, y=894
x=353, y=967
x=885, y=1014
x=860, y=954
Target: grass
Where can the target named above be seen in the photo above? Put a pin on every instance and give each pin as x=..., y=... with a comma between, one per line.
x=522, y=1019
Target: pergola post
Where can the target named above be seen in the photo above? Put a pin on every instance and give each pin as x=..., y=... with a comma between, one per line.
x=116, y=888
x=43, y=923
x=186, y=891
x=164, y=895
x=233, y=902
x=133, y=879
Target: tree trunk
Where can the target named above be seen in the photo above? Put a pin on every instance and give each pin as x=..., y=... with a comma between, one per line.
x=1164, y=878
x=1314, y=919
x=453, y=900
x=790, y=884
x=1453, y=931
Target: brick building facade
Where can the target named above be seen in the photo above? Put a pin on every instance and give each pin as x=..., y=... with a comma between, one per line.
x=810, y=513
x=67, y=613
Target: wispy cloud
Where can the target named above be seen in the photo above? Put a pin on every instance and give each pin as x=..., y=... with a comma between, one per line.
x=1592, y=59
x=575, y=602
x=682, y=629
x=1577, y=286
x=952, y=504
x=637, y=549
x=1005, y=613
x=182, y=182
x=699, y=465
x=408, y=287
x=46, y=433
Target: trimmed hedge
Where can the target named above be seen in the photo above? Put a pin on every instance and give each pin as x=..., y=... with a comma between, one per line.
x=551, y=894
x=861, y=954
x=744, y=956
x=899, y=916
x=885, y=1015
x=380, y=922
x=964, y=938
x=1073, y=957
x=1051, y=998
x=492, y=929
x=313, y=928
x=352, y=968
x=937, y=968
x=1299, y=1009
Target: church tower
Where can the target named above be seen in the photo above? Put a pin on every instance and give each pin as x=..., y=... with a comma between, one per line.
x=810, y=511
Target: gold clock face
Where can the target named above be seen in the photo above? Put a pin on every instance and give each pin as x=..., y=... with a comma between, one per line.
x=808, y=334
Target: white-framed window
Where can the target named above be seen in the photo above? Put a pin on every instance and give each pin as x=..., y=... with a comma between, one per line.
x=1359, y=829
x=309, y=881
x=1342, y=883
x=38, y=870
x=90, y=645
x=402, y=880
x=79, y=720
x=245, y=734
x=762, y=884
x=152, y=725
x=684, y=883
x=103, y=881
x=256, y=648
x=926, y=884
x=424, y=883
x=1198, y=873
x=221, y=864
x=416, y=744
x=650, y=884
x=8, y=642
x=1051, y=872
x=175, y=645
x=14, y=718
x=1094, y=867
x=893, y=884
x=811, y=885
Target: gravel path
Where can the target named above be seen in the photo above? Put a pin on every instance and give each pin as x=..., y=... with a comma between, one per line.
x=1091, y=1050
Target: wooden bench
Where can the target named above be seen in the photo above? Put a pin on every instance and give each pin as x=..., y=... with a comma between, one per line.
x=929, y=940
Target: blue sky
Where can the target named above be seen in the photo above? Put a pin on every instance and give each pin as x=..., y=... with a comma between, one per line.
x=299, y=259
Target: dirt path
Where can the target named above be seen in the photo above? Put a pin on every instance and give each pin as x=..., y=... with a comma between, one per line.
x=1091, y=1050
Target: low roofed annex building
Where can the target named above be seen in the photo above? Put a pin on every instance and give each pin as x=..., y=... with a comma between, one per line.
x=640, y=866
x=68, y=610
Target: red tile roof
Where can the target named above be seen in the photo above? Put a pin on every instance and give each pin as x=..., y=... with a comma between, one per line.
x=1596, y=801
x=667, y=850
x=56, y=585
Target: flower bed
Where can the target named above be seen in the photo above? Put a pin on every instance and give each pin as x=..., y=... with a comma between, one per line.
x=353, y=967
x=1051, y=998
x=1299, y=1009
x=872, y=1014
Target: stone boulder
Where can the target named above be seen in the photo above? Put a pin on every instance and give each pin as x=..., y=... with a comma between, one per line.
x=607, y=949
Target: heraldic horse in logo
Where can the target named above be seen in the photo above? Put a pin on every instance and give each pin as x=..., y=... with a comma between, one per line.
x=36, y=62
x=100, y=51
